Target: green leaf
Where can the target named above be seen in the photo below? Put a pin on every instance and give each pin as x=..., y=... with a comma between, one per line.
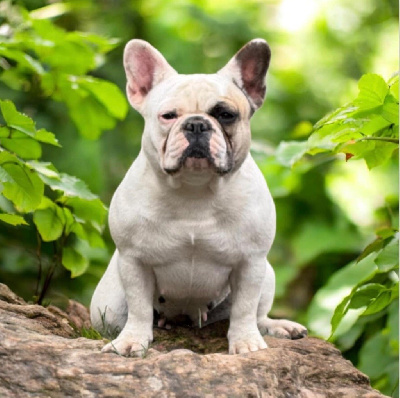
x=337, y=115
x=394, y=89
x=17, y=120
x=374, y=355
x=373, y=152
x=288, y=153
x=88, y=210
x=74, y=261
x=23, y=146
x=90, y=117
x=92, y=236
x=380, y=303
x=46, y=137
x=50, y=221
x=390, y=109
x=45, y=168
x=373, y=90
x=340, y=285
x=381, y=152
x=339, y=313
x=107, y=94
x=13, y=219
x=8, y=158
x=69, y=185
x=26, y=191
x=25, y=124
x=375, y=125
x=4, y=176
x=24, y=60
x=375, y=246
x=365, y=294
x=388, y=258
x=69, y=221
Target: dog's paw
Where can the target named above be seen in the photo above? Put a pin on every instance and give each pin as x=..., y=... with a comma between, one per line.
x=247, y=343
x=281, y=328
x=127, y=344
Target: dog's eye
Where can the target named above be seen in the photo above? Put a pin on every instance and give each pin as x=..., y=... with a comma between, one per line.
x=226, y=117
x=223, y=114
x=169, y=115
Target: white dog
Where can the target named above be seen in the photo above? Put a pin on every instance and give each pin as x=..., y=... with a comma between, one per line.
x=193, y=219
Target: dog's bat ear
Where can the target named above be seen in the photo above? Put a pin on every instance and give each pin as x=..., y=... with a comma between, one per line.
x=248, y=69
x=145, y=67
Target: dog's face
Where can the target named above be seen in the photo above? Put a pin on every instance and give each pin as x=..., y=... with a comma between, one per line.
x=196, y=124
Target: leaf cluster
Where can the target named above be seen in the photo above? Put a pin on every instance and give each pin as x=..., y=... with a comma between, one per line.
x=367, y=128
x=60, y=206
x=37, y=55
x=360, y=301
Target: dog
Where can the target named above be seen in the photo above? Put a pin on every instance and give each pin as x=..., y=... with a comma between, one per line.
x=193, y=219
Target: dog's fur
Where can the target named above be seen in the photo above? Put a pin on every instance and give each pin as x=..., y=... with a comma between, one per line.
x=193, y=219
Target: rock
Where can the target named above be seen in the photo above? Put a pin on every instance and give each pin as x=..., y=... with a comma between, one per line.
x=41, y=356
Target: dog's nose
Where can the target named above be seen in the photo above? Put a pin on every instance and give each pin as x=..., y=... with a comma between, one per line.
x=196, y=125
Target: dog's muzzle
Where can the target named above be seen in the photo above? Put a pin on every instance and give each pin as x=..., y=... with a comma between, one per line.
x=197, y=131
x=197, y=156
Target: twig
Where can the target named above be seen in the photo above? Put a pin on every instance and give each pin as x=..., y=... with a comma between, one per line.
x=39, y=258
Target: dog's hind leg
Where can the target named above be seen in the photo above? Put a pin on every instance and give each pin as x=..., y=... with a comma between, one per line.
x=275, y=327
x=108, y=309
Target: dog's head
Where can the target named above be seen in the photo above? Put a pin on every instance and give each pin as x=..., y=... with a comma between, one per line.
x=196, y=124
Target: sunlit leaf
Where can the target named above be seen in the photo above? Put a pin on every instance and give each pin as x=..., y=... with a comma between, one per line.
x=375, y=125
x=25, y=124
x=69, y=185
x=374, y=152
x=373, y=90
x=45, y=168
x=388, y=258
x=394, y=90
x=17, y=120
x=13, y=219
x=23, y=146
x=390, y=109
x=381, y=152
x=288, y=153
x=47, y=137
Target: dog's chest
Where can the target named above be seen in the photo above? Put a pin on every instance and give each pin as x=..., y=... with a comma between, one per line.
x=203, y=238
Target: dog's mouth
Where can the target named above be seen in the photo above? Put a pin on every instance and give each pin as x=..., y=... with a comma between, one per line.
x=197, y=158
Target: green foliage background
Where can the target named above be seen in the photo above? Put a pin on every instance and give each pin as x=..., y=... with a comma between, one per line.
x=334, y=178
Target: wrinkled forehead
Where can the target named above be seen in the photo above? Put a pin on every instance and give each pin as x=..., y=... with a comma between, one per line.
x=197, y=93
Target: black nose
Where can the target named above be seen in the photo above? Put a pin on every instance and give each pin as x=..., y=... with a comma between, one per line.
x=196, y=125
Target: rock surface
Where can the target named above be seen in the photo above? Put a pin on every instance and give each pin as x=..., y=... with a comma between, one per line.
x=41, y=356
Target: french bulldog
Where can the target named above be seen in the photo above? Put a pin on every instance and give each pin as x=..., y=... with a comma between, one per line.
x=193, y=219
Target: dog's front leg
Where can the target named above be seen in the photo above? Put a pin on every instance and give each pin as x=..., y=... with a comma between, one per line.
x=138, y=282
x=246, y=282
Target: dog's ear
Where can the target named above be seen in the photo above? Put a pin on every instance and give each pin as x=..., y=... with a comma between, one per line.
x=145, y=67
x=248, y=69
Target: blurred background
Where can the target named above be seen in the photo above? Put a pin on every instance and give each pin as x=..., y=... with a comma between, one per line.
x=327, y=211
